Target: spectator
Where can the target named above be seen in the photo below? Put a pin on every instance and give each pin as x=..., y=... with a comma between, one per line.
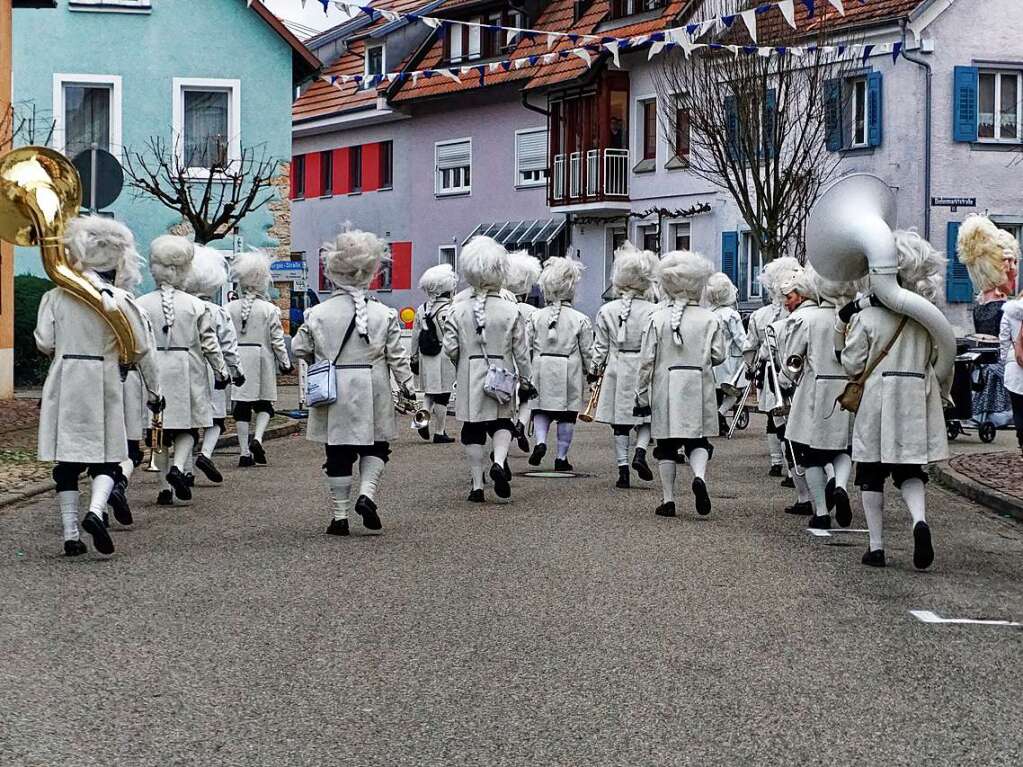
x=1011, y=346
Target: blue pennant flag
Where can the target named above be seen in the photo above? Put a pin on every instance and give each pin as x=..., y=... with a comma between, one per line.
x=867, y=50
x=532, y=60
x=481, y=70
x=325, y=4
x=531, y=36
x=605, y=40
x=574, y=38
x=357, y=78
x=896, y=51
x=809, y=8
x=691, y=29
x=716, y=46
x=657, y=37
x=728, y=20
x=427, y=73
x=764, y=8
x=781, y=51
x=749, y=49
x=506, y=65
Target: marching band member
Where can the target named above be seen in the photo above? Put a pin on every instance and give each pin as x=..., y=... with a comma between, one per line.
x=817, y=428
x=435, y=371
x=363, y=338
x=485, y=338
x=262, y=352
x=561, y=357
x=208, y=275
x=900, y=426
x=82, y=411
x=523, y=273
x=681, y=345
x=618, y=332
x=721, y=295
x=185, y=334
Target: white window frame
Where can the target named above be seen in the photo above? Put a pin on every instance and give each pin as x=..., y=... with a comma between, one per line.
x=673, y=233
x=524, y=184
x=853, y=84
x=441, y=259
x=113, y=82
x=640, y=131
x=999, y=74
x=641, y=232
x=460, y=191
x=111, y=6
x=475, y=40
x=234, y=116
x=753, y=287
x=383, y=60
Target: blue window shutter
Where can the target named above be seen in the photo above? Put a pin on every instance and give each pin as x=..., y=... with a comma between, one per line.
x=875, y=98
x=958, y=287
x=732, y=128
x=964, y=106
x=833, y=115
x=730, y=255
x=770, y=121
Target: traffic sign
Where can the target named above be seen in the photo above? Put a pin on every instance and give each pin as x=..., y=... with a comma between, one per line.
x=102, y=177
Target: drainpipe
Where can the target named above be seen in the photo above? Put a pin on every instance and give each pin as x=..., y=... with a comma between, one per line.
x=531, y=108
x=928, y=120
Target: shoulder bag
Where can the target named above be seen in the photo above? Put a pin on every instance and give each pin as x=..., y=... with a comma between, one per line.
x=500, y=383
x=850, y=398
x=321, y=379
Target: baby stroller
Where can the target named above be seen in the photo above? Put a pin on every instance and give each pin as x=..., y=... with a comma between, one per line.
x=976, y=359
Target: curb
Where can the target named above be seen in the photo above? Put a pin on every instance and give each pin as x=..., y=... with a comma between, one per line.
x=972, y=490
x=229, y=440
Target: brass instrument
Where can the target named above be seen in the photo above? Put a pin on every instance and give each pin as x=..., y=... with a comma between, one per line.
x=590, y=412
x=155, y=441
x=733, y=387
x=410, y=406
x=39, y=191
x=794, y=367
x=773, y=382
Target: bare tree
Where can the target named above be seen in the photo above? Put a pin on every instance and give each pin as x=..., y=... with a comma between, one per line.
x=756, y=125
x=212, y=191
x=22, y=123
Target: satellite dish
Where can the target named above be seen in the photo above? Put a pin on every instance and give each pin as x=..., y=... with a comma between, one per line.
x=102, y=177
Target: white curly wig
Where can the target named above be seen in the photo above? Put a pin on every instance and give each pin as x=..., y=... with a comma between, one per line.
x=833, y=291
x=251, y=270
x=103, y=245
x=684, y=274
x=523, y=272
x=981, y=248
x=633, y=269
x=921, y=267
x=170, y=259
x=720, y=290
x=209, y=272
x=484, y=263
x=797, y=281
x=354, y=257
x=559, y=278
x=775, y=273
x=438, y=280
x=1009, y=243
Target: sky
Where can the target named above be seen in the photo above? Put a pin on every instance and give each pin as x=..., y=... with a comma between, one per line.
x=311, y=16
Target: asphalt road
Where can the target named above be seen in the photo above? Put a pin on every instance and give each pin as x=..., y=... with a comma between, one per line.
x=570, y=627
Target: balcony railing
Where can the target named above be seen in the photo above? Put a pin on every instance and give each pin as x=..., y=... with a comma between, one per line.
x=597, y=175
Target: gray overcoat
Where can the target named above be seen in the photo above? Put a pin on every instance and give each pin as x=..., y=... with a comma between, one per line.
x=261, y=350
x=735, y=340
x=228, y=339
x=755, y=339
x=560, y=364
x=620, y=360
x=437, y=373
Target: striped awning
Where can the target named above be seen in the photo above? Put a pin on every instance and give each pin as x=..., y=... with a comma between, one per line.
x=526, y=235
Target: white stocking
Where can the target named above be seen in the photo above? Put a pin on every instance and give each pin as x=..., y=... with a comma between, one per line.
x=843, y=468
x=189, y=464
x=698, y=458
x=127, y=469
x=914, y=493
x=475, y=454
x=801, y=487
x=775, y=449
x=209, y=440
x=829, y=471
x=439, y=417
x=873, y=510
x=243, y=436
x=67, y=500
x=622, y=449
x=502, y=441
x=340, y=491
x=183, y=444
x=643, y=436
x=524, y=413
x=667, y=470
x=541, y=424
x=262, y=421
x=102, y=484
x=163, y=464
x=565, y=433
x=817, y=483
x=370, y=470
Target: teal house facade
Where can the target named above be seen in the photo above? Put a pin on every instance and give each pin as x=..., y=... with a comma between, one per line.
x=195, y=74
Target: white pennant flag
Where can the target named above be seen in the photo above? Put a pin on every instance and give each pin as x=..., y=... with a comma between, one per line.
x=788, y=10
x=583, y=54
x=682, y=39
x=415, y=76
x=734, y=49
x=838, y=6
x=707, y=26
x=613, y=47
x=550, y=58
x=389, y=15
x=465, y=70
x=430, y=21
x=750, y=18
x=655, y=48
x=550, y=41
x=448, y=73
x=796, y=51
x=346, y=78
x=519, y=63
x=392, y=76
x=764, y=52
x=493, y=66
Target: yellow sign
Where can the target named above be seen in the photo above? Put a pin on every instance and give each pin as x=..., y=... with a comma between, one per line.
x=407, y=316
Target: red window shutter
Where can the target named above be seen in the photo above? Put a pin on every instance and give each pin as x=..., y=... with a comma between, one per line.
x=312, y=175
x=401, y=265
x=293, y=172
x=342, y=184
x=370, y=167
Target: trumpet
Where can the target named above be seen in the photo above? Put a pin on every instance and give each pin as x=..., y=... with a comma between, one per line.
x=155, y=441
x=410, y=406
x=590, y=412
x=794, y=367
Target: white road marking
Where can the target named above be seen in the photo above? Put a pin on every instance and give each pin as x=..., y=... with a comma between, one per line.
x=835, y=531
x=927, y=616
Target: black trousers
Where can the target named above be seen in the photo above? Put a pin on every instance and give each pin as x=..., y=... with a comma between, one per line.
x=243, y=410
x=667, y=449
x=1017, y=415
x=812, y=457
x=476, y=432
x=440, y=399
x=135, y=451
x=341, y=458
x=66, y=474
x=871, y=476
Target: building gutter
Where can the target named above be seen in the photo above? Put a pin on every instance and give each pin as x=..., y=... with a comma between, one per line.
x=928, y=126
x=530, y=107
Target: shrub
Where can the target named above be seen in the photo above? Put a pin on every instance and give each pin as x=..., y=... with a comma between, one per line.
x=29, y=365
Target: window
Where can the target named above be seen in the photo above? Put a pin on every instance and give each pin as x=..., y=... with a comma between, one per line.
x=453, y=163
x=531, y=157
x=87, y=110
x=374, y=61
x=998, y=117
x=681, y=236
x=386, y=164
x=681, y=147
x=326, y=173
x=494, y=37
x=385, y=277
x=448, y=254
x=515, y=20
x=649, y=129
x=298, y=177
x=615, y=238
x=354, y=169
x=751, y=260
x=623, y=8
x=650, y=237
x=207, y=122
x=860, y=112
x=121, y=6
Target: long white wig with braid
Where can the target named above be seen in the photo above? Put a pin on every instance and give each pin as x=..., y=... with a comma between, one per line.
x=251, y=270
x=774, y=274
x=485, y=266
x=683, y=275
x=798, y=281
x=437, y=282
x=523, y=272
x=351, y=263
x=921, y=267
x=631, y=277
x=558, y=281
x=209, y=272
x=720, y=290
x=170, y=259
x=100, y=245
x=834, y=292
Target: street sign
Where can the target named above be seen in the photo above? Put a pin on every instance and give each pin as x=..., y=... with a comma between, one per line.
x=102, y=177
x=287, y=266
x=955, y=203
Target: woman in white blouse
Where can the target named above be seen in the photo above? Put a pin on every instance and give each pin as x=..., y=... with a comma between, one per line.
x=1012, y=321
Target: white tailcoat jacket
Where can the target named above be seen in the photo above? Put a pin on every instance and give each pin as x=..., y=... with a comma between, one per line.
x=82, y=412
x=261, y=350
x=182, y=354
x=228, y=338
x=735, y=341
x=506, y=344
x=364, y=411
x=619, y=360
x=755, y=339
x=136, y=414
x=560, y=364
x=901, y=419
x=436, y=374
x=678, y=381
x=814, y=418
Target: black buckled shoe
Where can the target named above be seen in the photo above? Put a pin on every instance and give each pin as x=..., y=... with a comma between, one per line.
x=476, y=496
x=829, y=495
x=803, y=509
x=775, y=471
x=424, y=433
x=923, y=549
x=366, y=509
x=258, y=453
x=205, y=465
x=338, y=527
x=190, y=479
x=536, y=457
x=74, y=548
x=520, y=438
x=501, y=485
x=702, y=497
x=623, y=478
x=165, y=498
x=118, y=501
x=843, y=511
x=788, y=482
x=562, y=465
x=640, y=466
x=666, y=509
x=874, y=558
x=245, y=462
x=179, y=482
x=820, y=522
x=101, y=540
x=442, y=439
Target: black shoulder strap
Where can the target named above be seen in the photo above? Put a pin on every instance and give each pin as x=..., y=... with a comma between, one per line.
x=348, y=334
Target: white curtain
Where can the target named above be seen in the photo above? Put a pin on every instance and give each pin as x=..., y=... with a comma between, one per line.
x=86, y=118
x=206, y=137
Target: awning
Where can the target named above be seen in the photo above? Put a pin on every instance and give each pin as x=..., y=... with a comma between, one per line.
x=516, y=235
